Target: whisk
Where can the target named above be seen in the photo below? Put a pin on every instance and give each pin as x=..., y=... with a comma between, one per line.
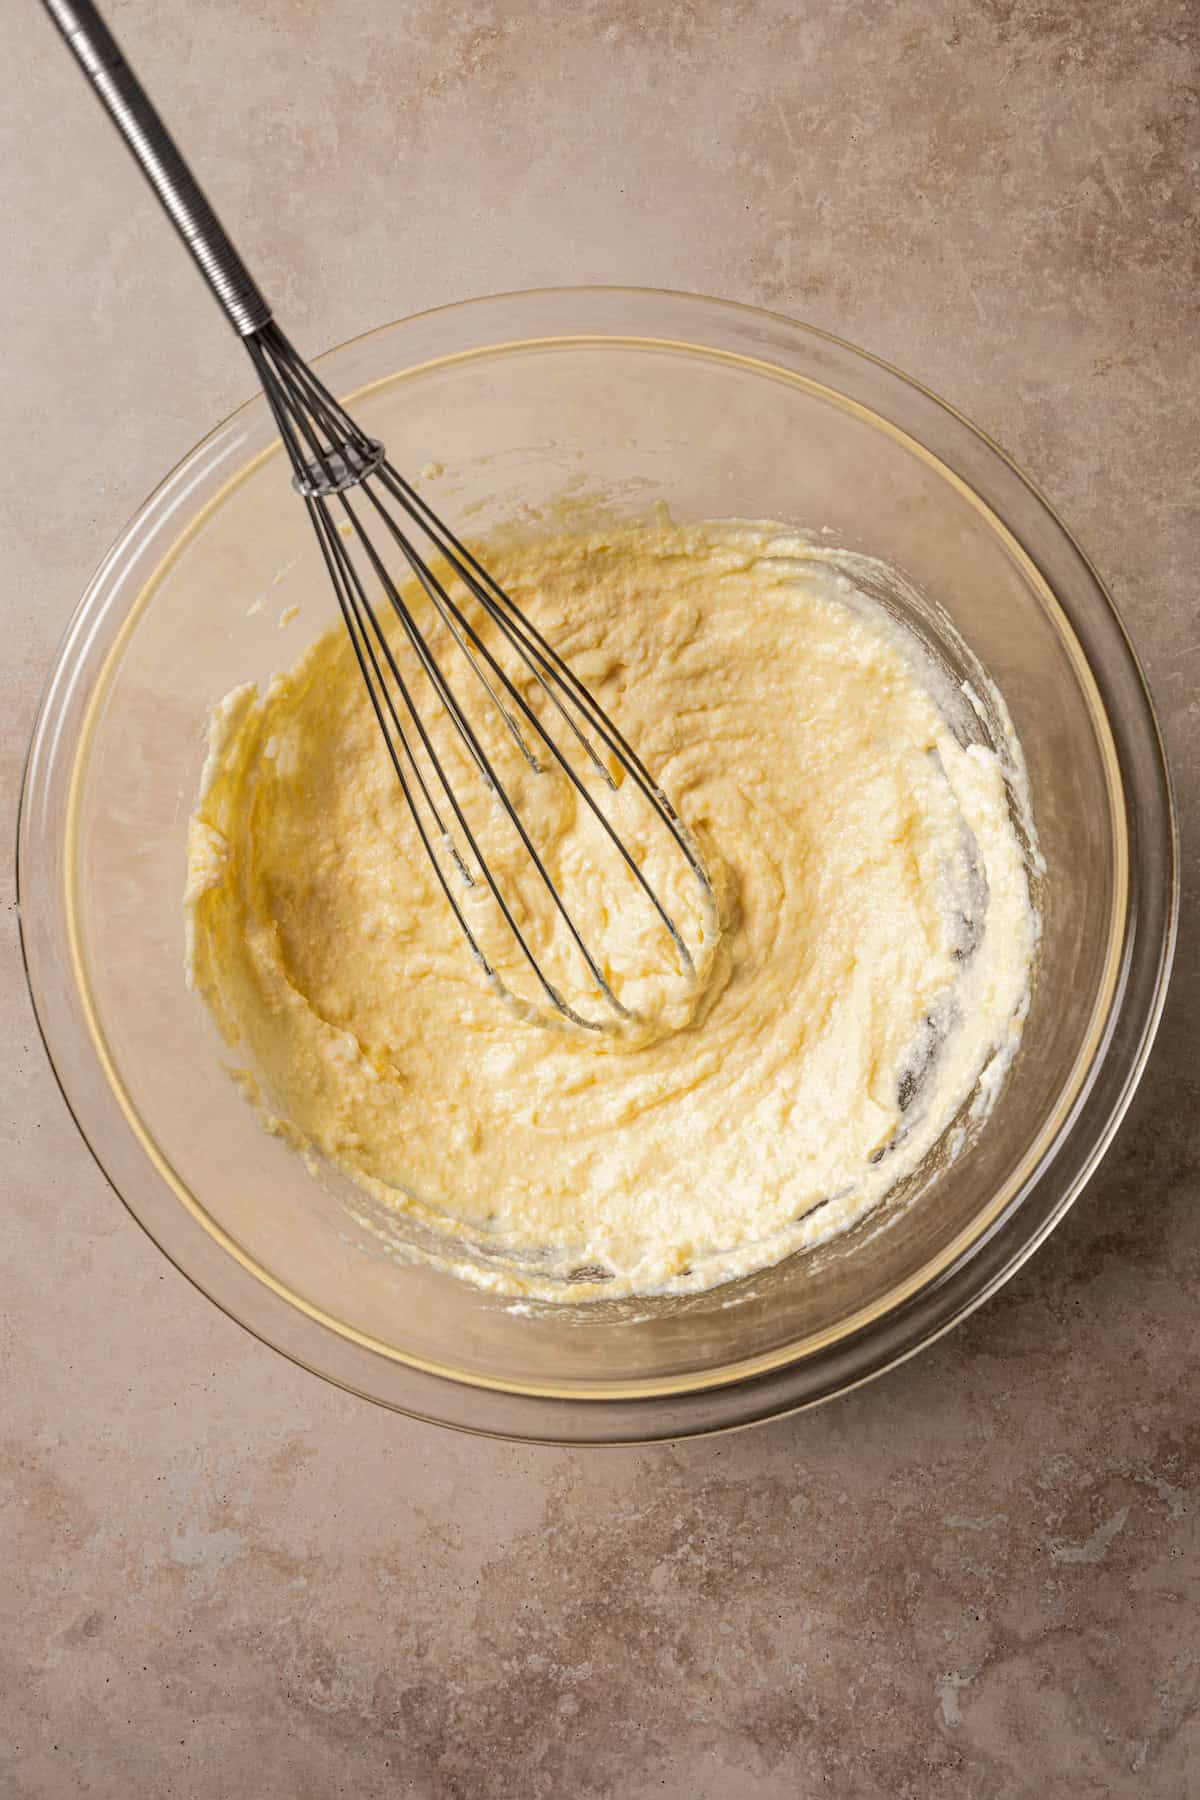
x=348, y=485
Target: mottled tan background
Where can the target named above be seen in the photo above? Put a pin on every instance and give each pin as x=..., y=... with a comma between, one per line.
x=977, y=1579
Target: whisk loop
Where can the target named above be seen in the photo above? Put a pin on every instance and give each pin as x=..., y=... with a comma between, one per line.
x=333, y=459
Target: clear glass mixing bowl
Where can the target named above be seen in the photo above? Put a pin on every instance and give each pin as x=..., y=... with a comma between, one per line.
x=622, y=398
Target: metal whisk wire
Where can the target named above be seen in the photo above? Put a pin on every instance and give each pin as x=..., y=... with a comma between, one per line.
x=331, y=457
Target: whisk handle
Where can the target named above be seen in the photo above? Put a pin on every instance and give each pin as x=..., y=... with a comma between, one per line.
x=153, y=148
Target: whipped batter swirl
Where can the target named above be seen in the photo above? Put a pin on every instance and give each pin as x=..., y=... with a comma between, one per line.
x=867, y=974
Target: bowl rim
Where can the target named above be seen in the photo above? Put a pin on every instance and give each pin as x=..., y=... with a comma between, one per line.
x=910, y=1316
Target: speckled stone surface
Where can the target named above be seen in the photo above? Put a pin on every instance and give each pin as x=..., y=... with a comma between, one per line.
x=978, y=1578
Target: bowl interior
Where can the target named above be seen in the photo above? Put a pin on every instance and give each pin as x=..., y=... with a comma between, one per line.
x=520, y=431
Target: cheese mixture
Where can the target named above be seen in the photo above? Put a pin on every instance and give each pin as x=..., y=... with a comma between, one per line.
x=860, y=962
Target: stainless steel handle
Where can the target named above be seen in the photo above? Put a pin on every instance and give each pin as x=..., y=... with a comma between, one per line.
x=133, y=114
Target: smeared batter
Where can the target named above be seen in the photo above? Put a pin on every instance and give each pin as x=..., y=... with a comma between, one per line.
x=870, y=972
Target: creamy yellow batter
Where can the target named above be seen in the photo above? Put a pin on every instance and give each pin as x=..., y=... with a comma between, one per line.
x=869, y=977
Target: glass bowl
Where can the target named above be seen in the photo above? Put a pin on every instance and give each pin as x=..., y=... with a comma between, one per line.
x=619, y=399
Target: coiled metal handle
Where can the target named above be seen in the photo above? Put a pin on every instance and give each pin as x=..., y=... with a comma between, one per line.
x=133, y=114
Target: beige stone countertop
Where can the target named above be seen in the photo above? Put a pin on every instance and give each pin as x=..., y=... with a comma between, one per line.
x=979, y=1577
